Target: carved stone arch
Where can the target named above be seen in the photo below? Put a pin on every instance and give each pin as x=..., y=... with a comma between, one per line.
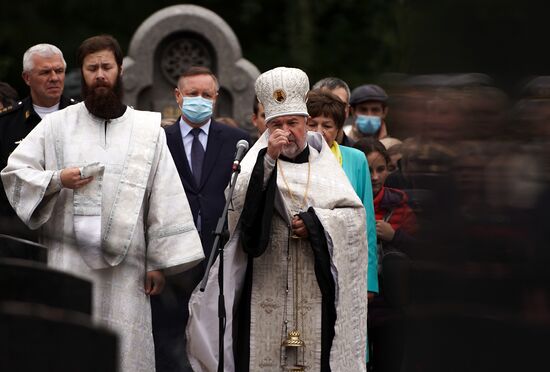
x=172, y=39
x=180, y=51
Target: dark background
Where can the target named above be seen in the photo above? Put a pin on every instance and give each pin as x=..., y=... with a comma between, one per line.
x=352, y=39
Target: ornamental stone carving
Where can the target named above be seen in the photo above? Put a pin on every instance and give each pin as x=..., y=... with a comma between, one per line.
x=175, y=38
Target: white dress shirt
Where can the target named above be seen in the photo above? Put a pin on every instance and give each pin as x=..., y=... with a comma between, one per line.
x=187, y=137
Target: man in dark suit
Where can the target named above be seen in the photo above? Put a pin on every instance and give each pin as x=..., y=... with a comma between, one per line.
x=203, y=151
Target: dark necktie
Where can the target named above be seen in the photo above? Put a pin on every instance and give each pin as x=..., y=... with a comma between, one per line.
x=197, y=155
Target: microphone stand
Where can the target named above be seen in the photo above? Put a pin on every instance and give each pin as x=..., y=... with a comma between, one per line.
x=221, y=236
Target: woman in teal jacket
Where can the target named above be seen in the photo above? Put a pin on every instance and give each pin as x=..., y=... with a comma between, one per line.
x=327, y=116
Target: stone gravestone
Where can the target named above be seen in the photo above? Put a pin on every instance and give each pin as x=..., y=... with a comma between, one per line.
x=36, y=283
x=41, y=338
x=176, y=38
x=12, y=247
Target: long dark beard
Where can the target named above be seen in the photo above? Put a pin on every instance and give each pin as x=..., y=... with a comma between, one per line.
x=104, y=101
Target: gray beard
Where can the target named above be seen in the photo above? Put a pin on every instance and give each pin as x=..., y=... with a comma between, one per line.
x=290, y=151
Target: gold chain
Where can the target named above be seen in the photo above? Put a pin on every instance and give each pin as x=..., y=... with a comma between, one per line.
x=290, y=193
x=294, y=256
x=297, y=282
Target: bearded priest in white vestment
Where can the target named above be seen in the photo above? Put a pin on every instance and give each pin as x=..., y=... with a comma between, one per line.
x=296, y=261
x=98, y=179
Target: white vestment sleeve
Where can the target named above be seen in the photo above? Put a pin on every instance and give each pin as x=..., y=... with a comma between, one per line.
x=269, y=165
x=31, y=190
x=173, y=243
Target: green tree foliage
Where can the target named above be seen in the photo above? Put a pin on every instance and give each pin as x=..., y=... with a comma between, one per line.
x=356, y=40
x=351, y=39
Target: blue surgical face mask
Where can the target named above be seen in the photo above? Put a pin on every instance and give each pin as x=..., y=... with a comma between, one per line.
x=197, y=109
x=367, y=124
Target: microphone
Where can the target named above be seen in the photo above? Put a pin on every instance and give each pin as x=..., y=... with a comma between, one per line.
x=242, y=148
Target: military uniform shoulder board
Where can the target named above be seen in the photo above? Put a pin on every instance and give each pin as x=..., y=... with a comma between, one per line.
x=11, y=108
x=7, y=108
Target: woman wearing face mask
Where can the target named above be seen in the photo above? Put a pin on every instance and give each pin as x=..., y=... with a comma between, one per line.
x=395, y=226
x=369, y=111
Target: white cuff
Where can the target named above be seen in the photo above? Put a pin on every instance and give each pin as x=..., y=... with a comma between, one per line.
x=55, y=184
x=269, y=164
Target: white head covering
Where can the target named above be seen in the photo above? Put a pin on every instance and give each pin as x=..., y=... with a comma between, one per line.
x=390, y=142
x=282, y=91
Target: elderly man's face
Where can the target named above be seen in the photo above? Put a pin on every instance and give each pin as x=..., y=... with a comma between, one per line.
x=295, y=127
x=46, y=79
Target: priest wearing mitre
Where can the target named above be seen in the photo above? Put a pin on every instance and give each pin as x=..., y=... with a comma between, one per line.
x=296, y=262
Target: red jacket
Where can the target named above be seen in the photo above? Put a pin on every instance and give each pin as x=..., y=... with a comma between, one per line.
x=402, y=218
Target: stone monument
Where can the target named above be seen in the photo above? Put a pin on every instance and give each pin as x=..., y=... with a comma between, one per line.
x=176, y=38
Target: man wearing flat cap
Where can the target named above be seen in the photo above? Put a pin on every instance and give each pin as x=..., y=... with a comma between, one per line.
x=369, y=110
x=296, y=262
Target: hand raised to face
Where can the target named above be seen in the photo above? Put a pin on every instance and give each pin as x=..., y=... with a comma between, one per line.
x=287, y=136
x=277, y=140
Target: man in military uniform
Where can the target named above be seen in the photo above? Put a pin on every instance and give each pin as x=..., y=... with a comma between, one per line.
x=8, y=96
x=44, y=72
